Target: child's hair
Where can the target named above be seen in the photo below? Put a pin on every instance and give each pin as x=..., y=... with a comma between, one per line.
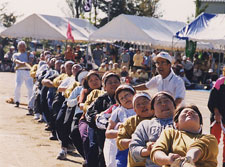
x=193, y=107
x=124, y=87
x=162, y=93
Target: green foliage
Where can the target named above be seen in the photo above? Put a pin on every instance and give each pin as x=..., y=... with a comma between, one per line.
x=199, y=8
x=131, y=7
x=114, y=8
x=7, y=19
x=75, y=7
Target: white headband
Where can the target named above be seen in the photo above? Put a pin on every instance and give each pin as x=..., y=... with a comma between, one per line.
x=141, y=94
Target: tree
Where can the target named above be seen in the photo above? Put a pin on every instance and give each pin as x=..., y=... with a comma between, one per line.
x=199, y=8
x=147, y=8
x=75, y=7
x=7, y=18
x=132, y=7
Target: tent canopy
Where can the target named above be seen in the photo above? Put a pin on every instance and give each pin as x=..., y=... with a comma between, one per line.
x=49, y=27
x=2, y=27
x=139, y=30
x=207, y=28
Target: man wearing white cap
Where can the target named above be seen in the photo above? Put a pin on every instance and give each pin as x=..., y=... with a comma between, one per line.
x=167, y=80
x=22, y=60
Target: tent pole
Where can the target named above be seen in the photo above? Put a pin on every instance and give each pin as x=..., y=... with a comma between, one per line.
x=172, y=43
x=218, y=72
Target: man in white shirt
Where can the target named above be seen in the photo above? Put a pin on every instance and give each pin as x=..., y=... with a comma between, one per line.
x=22, y=60
x=167, y=80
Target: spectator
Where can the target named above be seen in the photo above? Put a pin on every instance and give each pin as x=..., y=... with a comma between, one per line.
x=98, y=55
x=69, y=55
x=138, y=59
x=188, y=68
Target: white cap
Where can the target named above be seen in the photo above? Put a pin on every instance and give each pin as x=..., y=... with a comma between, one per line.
x=210, y=70
x=184, y=58
x=141, y=94
x=81, y=76
x=163, y=55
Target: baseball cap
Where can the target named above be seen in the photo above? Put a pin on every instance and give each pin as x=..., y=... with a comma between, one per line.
x=184, y=58
x=163, y=55
x=81, y=75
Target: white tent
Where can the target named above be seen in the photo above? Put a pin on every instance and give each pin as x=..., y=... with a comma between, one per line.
x=139, y=30
x=2, y=27
x=49, y=27
x=206, y=28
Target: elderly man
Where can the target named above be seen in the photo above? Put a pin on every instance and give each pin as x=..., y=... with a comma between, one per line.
x=22, y=60
x=167, y=80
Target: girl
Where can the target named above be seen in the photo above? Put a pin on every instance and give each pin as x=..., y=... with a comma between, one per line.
x=124, y=95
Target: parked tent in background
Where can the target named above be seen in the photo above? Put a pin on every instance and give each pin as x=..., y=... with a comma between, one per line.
x=206, y=28
x=48, y=27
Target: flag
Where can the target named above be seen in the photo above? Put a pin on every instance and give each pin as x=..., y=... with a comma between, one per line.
x=87, y=6
x=69, y=32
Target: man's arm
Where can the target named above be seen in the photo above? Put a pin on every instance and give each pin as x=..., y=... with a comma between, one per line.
x=18, y=62
x=140, y=87
x=47, y=82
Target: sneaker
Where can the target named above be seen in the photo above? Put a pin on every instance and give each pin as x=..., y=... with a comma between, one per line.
x=30, y=112
x=41, y=121
x=53, y=136
x=17, y=104
x=62, y=154
x=36, y=116
x=48, y=128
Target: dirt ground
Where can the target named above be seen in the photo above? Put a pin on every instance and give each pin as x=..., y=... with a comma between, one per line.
x=25, y=143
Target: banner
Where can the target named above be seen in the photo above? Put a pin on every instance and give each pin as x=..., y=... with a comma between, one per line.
x=190, y=48
x=69, y=33
x=87, y=6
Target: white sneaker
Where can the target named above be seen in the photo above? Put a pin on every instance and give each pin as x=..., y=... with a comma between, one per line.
x=36, y=116
x=62, y=154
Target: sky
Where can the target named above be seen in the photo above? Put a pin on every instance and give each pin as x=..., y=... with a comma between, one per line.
x=176, y=10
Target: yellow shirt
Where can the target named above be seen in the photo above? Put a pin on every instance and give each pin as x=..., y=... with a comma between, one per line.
x=134, y=75
x=179, y=142
x=70, y=89
x=91, y=98
x=57, y=81
x=33, y=70
x=138, y=60
x=125, y=131
x=117, y=71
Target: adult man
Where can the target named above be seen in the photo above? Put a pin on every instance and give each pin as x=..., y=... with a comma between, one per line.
x=98, y=55
x=8, y=64
x=138, y=59
x=216, y=106
x=188, y=68
x=22, y=60
x=125, y=58
x=167, y=80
